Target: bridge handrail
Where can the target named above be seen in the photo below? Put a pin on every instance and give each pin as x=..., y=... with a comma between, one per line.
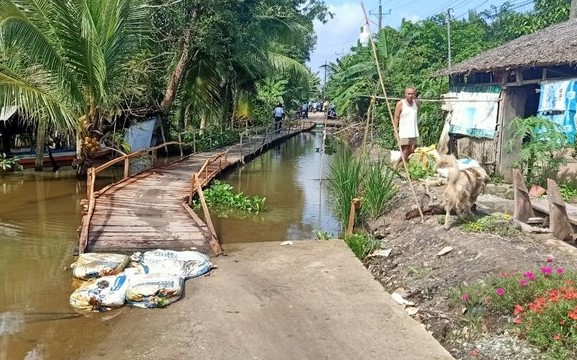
x=91, y=179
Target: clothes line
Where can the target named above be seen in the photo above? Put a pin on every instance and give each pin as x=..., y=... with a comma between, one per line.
x=447, y=99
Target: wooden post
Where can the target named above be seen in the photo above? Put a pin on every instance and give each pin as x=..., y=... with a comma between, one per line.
x=204, y=207
x=153, y=158
x=558, y=219
x=180, y=145
x=354, y=206
x=191, y=189
x=89, y=188
x=523, y=209
x=126, y=167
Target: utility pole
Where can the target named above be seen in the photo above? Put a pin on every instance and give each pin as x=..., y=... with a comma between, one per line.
x=449, y=37
x=573, y=10
x=325, y=83
x=380, y=15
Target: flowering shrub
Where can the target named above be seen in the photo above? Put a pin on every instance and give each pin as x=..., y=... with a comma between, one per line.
x=541, y=304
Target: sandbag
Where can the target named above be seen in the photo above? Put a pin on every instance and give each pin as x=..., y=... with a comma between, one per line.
x=159, y=266
x=193, y=263
x=100, y=294
x=153, y=290
x=94, y=265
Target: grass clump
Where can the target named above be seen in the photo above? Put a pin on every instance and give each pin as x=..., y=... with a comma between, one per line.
x=499, y=224
x=352, y=178
x=221, y=198
x=362, y=244
x=345, y=182
x=377, y=188
x=541, y=304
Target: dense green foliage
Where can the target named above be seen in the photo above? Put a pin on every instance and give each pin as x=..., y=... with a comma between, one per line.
x=87, y=66
x=413, y=53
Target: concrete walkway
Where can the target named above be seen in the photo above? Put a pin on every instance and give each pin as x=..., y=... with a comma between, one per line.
x=312, y=300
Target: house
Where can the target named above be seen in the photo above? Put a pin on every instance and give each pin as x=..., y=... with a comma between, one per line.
x=534, y=74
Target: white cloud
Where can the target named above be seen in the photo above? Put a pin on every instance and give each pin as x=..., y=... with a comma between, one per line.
x=335, y=38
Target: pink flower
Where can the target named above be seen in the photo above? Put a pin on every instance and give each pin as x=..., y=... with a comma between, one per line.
x=560, y=270
x=529, y=275
x=523, y=282
x=500, y=291
x=546, y=270
x=465, y=297
x=550, y=259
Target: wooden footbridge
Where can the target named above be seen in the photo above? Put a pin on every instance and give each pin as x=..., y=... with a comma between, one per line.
x=151, y=209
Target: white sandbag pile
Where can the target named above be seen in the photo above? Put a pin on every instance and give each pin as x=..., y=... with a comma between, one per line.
x=149, y=280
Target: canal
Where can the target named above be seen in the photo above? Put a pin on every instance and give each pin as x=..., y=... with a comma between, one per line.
x=40, y=212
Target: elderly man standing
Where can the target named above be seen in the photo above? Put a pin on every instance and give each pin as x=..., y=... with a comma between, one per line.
x=406, y=113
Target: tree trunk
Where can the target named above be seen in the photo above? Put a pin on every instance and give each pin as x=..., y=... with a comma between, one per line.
x=176, y=77
x=40, y=134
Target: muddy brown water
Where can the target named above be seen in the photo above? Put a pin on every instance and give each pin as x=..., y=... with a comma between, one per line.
x=40, y=212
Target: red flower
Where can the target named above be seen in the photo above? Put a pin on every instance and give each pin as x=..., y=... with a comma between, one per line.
x=518, y=309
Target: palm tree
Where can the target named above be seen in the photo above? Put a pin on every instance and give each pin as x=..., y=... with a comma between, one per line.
x=74, y=61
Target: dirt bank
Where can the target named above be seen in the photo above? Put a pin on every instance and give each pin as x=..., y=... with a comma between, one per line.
x=414, y=268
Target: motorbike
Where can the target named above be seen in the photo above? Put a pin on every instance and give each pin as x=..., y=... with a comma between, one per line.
x=331, y=113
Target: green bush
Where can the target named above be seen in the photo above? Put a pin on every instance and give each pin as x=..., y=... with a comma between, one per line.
x=538, y=158
x=221, y=198
x=362, y=244
x=9, y=164
x=211, y=139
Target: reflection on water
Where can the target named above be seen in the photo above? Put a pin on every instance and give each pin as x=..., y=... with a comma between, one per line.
x=39, y=214
x=297, y=203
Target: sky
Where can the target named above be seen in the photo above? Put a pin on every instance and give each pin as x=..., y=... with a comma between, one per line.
x=335, y=38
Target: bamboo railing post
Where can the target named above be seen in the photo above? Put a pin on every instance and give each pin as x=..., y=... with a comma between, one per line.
x=240, y=147
x=126, y=166
x=180, y=145
x=89, y=176
x=204, y=207
x=352, y=213
x=154, y=151
x=191, y=189
x=193, y=142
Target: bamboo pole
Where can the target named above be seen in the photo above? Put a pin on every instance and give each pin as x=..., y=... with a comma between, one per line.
x=207, y=218
x=451, y=99
x=382, y=83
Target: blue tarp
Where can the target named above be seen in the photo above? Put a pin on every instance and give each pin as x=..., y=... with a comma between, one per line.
x=557, y=103
x=139, y=136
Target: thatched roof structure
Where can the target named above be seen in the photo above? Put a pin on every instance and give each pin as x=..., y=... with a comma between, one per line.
x=554, y=45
